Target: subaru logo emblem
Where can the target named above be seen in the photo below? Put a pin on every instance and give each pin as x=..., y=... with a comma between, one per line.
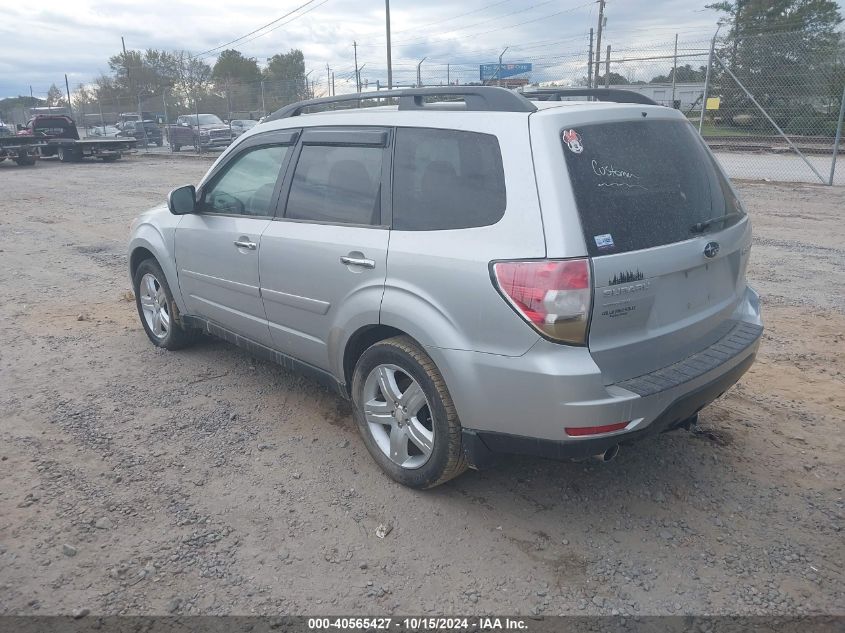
x=712, y=249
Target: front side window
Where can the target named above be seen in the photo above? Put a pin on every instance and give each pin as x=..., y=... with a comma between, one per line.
x=338, y=184
x=446, y=179
x=247, y=183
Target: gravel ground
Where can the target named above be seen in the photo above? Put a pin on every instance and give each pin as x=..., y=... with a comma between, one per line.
x=139, y=481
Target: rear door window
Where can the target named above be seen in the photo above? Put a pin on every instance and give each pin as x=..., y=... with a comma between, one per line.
x=337, y=184
x=640, y=184
x=446, y=179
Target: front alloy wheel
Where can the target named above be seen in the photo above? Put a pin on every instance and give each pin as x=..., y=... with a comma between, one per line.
x=157, y=309
x=154, y=306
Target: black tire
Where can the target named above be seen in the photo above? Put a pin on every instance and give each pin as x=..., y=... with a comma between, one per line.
x=110, y=159
x=24, y=159
x=159, y=143
x=66, y=155
x=176, y=147
x=447, y=457
x=176, y=336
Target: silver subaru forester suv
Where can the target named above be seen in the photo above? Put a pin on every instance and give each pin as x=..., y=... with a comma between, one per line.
x=480, y=271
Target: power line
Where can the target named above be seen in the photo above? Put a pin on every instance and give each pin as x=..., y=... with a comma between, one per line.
x=491, y=19
x=449, y=19
x=509, y=26
x=261, y=28
x=499, y=17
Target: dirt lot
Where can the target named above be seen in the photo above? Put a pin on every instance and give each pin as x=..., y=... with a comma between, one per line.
x=140, y=481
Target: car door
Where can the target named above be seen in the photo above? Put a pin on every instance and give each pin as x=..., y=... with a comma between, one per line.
x=323, y=260
x=217, y=247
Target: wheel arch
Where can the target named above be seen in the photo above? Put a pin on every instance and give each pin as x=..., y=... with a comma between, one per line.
x=148, y=243
x=357, y=344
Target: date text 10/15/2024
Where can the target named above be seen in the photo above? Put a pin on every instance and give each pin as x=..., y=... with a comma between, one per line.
x=418, y=624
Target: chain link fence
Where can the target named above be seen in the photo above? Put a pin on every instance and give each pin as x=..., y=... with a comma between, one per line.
x=770, y=106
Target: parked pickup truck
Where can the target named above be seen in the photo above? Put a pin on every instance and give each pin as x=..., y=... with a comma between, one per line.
x=200, y=131
x=21, y=149
x=61, y=138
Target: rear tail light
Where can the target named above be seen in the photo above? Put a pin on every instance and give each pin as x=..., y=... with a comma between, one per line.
x=554, y=296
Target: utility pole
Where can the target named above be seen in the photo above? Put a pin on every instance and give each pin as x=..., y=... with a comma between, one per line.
x=598, y=41
x=607, y=68
x=389, y=63
x=419, y=78
x=334, y=92
x=129, y=72
x=499, y=70
x=357, y=76
x=67, y=87
x=448, y=78
x=328, y=80
x=674, y=70
x=590, y=62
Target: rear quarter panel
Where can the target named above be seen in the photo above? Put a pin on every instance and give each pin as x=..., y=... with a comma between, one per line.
x=438, y=287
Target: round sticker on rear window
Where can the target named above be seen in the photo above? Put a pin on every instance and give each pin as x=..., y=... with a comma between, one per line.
x=573, y=141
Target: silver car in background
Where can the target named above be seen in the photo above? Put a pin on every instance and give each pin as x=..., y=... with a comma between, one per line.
x=489, y=274
x=239, y=126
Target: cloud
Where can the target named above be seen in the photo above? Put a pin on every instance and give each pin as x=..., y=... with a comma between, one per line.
x=77, y=37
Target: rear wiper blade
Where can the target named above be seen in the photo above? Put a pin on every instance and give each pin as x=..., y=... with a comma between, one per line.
x=698, y=227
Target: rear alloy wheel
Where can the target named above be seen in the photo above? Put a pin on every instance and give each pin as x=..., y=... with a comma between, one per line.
x=406, y=415
x=157, y=309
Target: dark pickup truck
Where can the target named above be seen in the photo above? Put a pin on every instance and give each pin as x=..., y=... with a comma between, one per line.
x=200, y=131
x=21, y=149
x=60, y=137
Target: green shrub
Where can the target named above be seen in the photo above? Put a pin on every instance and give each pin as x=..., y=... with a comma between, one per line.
x=811, y=126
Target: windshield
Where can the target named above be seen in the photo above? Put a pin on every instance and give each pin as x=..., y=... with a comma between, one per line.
x=640, y=184
x=206, y=119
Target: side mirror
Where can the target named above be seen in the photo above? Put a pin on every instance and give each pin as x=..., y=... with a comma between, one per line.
x=183, y=200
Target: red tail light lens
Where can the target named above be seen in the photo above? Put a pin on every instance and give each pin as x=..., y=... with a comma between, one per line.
x=554, y=296
x=578, y=431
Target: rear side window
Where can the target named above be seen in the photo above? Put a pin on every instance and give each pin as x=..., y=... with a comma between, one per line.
x=341, y=185
x=446, y=179
x=640, y=184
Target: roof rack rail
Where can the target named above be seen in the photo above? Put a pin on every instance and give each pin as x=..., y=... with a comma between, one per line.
x=601, y=94
x=476, y=98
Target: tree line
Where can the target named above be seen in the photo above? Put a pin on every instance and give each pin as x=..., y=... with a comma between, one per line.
x=183, y=83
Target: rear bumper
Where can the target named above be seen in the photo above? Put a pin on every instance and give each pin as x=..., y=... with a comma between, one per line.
x=525, y=404
x=481, y=447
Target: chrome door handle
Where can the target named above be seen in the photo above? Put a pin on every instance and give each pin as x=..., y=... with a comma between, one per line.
x=244, y=244
x=363, y=262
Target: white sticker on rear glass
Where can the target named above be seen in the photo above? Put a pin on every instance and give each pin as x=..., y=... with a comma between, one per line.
x=604, y=241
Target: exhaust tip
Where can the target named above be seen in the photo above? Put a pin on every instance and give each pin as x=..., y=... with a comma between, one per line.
x=609, y=455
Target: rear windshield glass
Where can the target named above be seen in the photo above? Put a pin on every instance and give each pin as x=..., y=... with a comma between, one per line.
x=640, y=184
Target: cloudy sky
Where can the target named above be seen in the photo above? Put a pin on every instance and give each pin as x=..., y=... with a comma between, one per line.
x=41, y=41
